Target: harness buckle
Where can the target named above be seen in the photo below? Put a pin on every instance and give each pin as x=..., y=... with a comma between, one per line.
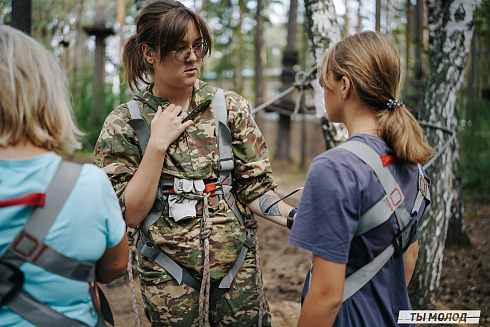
x=423, y=186
x=225, y=164
x=26, y=246
x=401, y=248
x=13, y=278
x=150, y=251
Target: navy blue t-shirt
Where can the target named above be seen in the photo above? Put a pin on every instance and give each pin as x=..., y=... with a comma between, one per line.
x=338, y=189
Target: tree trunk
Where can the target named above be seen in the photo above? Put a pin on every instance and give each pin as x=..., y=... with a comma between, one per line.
x=359, y=18
x=378, y=16
x=290, y=58
x=240, y=50
x=451, y=27
x=259, y=62
x=421, y=38
x=323, y=30
x=21, y=15
x=77, y=68
x=408, y=51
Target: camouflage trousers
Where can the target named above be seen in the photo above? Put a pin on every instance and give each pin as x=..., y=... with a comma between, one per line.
x=171, y=304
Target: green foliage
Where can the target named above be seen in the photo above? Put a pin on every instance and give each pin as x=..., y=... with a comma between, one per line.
x=474, y=110
x=84, y=106
x=474, y=142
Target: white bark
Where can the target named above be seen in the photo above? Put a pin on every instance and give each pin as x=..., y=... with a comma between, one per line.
x=322, y=25
x=323, y=31
x=451, y=25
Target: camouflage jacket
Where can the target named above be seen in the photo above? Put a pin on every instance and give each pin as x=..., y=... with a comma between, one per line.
x=193, y=155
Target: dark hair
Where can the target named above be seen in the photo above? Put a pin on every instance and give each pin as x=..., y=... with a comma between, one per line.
x=161, y=25
x=372, y=64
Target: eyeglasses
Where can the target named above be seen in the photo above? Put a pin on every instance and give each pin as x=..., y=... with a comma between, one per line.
x=183, y=52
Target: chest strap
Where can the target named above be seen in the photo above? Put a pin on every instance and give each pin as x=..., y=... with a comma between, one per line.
x=29, y=246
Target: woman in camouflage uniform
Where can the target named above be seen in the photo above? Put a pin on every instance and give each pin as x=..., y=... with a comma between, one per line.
x=168, y=46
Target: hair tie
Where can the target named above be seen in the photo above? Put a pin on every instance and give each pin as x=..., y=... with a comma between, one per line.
x=394, y=103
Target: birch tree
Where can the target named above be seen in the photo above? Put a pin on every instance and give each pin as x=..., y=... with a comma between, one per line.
x=323, y=31
x=451, y=25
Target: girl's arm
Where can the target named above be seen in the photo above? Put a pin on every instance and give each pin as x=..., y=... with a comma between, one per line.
x=113, y=262
x=278, y=213
x=410, y=259
x=324, y=297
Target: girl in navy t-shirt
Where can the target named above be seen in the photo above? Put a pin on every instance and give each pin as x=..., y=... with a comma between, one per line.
x=361, y=78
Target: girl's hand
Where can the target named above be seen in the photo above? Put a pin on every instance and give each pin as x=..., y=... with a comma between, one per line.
x=167, y=126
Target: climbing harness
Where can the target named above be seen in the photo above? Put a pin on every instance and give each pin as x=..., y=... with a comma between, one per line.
x=224, y=186
x=392, y=202
x=29, y=246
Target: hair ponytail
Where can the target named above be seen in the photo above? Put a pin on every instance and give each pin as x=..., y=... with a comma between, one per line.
x=403, y=134
x=372, y=64
x=137, y=69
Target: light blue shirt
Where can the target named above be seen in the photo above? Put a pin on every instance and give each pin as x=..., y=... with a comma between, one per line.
x=89, y=222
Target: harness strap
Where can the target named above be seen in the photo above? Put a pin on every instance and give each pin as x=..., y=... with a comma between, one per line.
x=29, y=243
x=139, y=125
x=29, y=246
x=394, y=201
x=225, y=182
x=182, y=275
x=39, y=313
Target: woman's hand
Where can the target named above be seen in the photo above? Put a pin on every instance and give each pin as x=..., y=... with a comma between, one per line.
x=167, y=126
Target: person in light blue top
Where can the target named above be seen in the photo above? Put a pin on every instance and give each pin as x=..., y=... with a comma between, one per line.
x=36, y=128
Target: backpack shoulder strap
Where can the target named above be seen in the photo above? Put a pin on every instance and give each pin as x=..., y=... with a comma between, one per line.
x=139, y=125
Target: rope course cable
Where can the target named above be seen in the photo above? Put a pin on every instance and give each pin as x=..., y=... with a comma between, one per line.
x=443, y=148
x=303, y=81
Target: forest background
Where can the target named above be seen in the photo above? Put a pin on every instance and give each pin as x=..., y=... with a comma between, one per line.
x=87, y=37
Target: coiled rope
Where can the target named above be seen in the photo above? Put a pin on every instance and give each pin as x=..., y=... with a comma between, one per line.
x=258, y=276
x=206, y=227
x=131, y=285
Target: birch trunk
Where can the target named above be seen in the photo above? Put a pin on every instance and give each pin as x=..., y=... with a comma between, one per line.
x=323, y=31
x=451, y=25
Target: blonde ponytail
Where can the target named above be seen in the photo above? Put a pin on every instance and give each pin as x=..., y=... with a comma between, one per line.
x=403, y=134
x=372, y=63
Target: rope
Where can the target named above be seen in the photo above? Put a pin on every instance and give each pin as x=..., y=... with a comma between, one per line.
x=206, y=227
x=444, y=147
x=302, y=80
x=260, y=283
x=131, y=287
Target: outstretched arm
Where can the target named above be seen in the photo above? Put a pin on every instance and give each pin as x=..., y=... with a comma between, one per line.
x=278, y=213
